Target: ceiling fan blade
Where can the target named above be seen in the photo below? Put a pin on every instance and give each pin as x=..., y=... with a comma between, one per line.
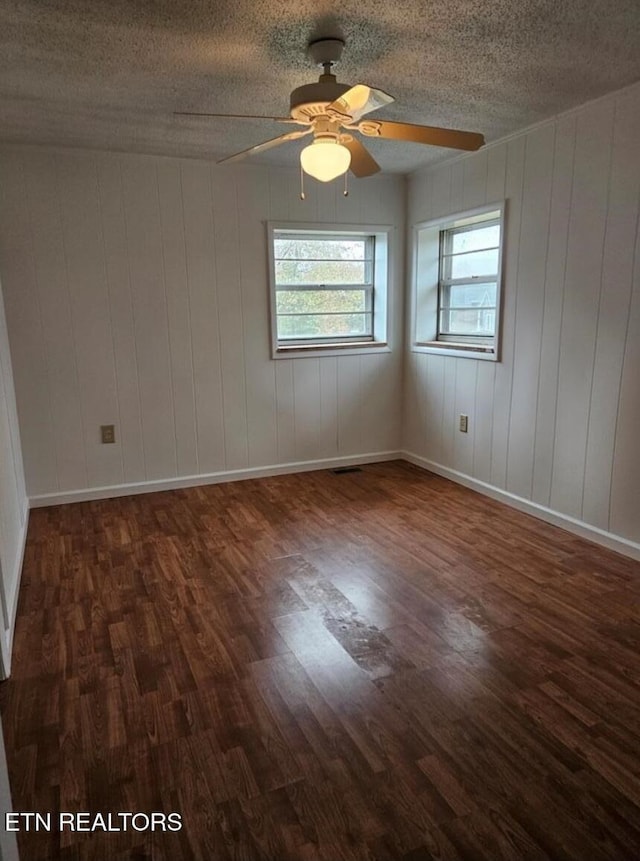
x=362, y=162
x=360, y=100
x=235, y=116
x=290, y=136
x=431, y=135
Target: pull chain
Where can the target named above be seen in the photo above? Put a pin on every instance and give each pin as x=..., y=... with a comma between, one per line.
x=302, y=195
x=346, y=187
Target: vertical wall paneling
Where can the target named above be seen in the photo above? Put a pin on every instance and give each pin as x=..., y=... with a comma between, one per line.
x=441, y=199
x=83, y=242
x=144, y=244
x=504, y=370
x=328, y=430
x=412, y=426
x=205, y=332
x=587, y=226
x=306, y=383
x=625, y=487
x=420, y=201
x=613, y=311
x=325, y=195
x=252, y=191
x=349, y=429
x=496, y=173
x=138, y=294
x=285, y=408
x=30, y=369
x=456, y=186
x=448, y=419
x=464, y=403
x=532, y=253
x=129, y=437
x=380, y=426
x=350, y=209
x=432, y=402
x=278, y=199
x=421, y=392
x=174, y=261
x=475, y=181
x=297, y=208
x=58, y=336
x=562, y=184
x=555, y=420
x=226, y=242
x=482, y=428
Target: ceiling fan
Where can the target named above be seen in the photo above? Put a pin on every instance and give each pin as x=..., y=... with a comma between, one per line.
x=332, y=112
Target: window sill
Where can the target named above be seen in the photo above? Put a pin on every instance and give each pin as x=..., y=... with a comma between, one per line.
x=486, y=352
x=349, y=348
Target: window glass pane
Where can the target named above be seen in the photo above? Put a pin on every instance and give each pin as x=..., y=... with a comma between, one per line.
x=477, y=263
x=323, y=285
x=320, y=249
x=324, y=326
x=471, y=295
x=319, y=301
x=292, y=272
x=479, y=237
x=474, y=321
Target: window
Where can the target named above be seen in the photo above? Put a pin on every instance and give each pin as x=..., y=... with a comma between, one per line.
x=468, y=283
x=457, y=289
x=328, y=288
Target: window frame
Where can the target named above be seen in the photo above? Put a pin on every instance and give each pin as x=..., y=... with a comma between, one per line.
x=379, y=292
x=426, y=301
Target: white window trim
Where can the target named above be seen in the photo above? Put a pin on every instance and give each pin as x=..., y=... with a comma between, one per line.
x=426, y=343
x=382, y=289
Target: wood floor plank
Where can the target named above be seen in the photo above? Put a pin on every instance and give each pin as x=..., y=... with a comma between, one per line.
x=373, y=666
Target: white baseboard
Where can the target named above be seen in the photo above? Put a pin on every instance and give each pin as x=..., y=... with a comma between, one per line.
x=88, y=494
x=564, y=521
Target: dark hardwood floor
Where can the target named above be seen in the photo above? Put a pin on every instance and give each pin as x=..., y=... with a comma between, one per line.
x=375, y=665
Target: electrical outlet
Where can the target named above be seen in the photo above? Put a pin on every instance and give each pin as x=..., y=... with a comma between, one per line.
x=107, y=433
x=464, y=423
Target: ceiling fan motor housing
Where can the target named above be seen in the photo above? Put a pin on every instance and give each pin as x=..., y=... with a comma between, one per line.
x=311, y=100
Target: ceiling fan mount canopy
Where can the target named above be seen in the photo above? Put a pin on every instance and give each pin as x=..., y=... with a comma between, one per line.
x=325, y=52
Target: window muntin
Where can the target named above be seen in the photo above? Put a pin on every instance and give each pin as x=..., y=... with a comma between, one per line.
x=469, y=264
x=324, y=287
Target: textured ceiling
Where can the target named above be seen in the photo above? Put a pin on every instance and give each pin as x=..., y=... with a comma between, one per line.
x=110, y=73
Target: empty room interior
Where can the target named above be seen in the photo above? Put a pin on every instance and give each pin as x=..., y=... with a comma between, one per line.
x=319, y=430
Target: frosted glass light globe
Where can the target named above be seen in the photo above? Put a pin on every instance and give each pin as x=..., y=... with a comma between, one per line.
x=325, y=159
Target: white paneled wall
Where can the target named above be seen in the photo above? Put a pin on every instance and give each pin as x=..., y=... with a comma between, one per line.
x=557, y=421
x=136, y=293
x=13, y=499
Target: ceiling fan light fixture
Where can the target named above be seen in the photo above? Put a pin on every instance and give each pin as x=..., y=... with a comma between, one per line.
x=325, y=159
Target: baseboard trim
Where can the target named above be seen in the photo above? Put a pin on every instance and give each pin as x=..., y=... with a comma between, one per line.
x=564, y=521
x=107, y=492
